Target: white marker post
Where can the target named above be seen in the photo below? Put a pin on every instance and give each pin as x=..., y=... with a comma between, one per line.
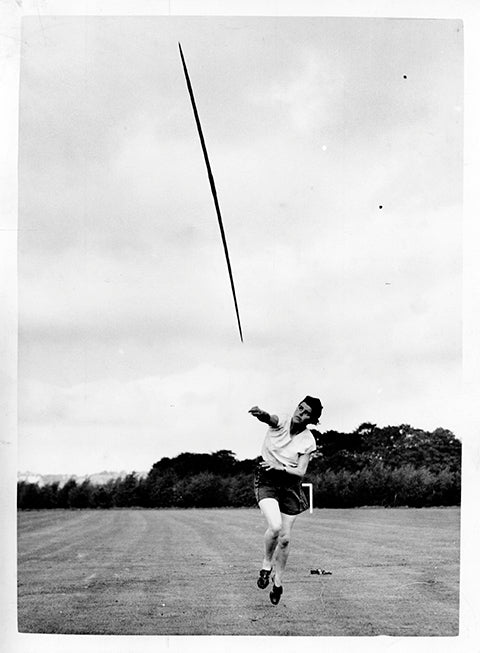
x=310, y=494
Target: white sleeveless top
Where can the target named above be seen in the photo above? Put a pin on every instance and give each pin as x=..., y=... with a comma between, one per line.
x=281, y=448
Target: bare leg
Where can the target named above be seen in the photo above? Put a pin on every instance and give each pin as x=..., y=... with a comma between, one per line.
x=283, y=547
x=272, y=514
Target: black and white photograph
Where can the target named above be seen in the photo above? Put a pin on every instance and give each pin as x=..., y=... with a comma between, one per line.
x=240, y=312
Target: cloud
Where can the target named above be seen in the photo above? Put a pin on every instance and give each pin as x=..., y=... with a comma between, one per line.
x=128, y=337
x=202, y=409
x=311, y=93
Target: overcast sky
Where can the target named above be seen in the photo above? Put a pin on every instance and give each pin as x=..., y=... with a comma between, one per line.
x=128, y=343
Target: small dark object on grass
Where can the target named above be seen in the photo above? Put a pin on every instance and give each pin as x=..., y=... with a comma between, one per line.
x=323, y=572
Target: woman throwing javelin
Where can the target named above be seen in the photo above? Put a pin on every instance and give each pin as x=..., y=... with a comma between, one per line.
x=278, y=483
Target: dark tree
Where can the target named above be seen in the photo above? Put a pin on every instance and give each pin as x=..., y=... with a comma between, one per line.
x=389, y=466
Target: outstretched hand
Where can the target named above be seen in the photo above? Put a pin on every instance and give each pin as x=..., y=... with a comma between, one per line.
x=256, y=411
x=263, y=416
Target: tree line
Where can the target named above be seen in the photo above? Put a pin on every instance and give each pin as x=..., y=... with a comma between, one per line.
x=386, y=466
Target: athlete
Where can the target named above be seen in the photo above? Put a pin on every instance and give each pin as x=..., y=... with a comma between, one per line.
x=286, y=452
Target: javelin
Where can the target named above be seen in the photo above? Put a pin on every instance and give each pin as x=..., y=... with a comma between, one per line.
x=212, y=186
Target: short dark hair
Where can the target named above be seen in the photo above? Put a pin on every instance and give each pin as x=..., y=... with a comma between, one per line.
x=316, y=406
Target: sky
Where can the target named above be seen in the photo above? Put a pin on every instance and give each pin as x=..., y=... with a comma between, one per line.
x=336, y=148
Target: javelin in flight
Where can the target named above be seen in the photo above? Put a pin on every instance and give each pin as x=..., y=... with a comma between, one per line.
x=212, y=186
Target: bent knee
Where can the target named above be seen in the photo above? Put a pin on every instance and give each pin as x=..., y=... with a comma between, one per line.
x=275, y=529
x=283, y=540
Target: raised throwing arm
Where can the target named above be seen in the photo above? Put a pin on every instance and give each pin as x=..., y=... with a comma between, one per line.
x=263, y=416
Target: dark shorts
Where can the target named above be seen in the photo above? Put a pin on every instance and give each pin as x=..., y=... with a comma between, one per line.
x=282, y=486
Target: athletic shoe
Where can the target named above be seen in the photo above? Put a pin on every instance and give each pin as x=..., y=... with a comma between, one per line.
x=264, y=578
x=275, y=594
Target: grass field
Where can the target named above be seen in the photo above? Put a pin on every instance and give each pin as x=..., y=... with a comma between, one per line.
x=193, y=572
